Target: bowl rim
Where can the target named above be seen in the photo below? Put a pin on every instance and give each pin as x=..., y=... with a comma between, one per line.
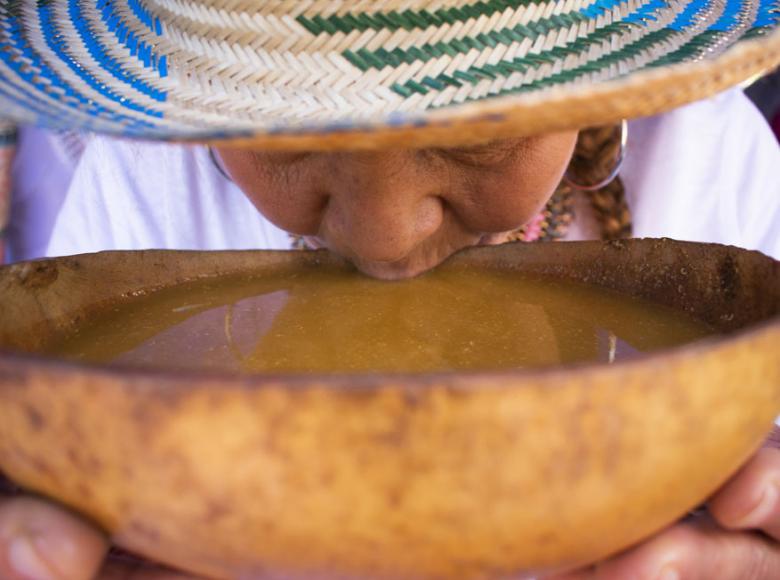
x=192, y=378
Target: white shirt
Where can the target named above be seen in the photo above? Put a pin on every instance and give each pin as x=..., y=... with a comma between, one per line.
x=706, y=172
x=131, y=195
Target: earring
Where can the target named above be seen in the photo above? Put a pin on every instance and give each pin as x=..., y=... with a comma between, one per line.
x=217, y=164
x=612, y=174
x=7, y=147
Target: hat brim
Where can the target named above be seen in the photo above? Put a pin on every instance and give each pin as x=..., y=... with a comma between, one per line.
x=536, y=68
x=642, y=94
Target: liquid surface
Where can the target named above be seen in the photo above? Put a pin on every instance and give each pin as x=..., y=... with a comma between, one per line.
x=322, y=320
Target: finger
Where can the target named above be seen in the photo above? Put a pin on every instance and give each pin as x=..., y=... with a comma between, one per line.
x=131, y=571
x=773, y=440
x=39, y=541
x=692, y=551
x=751, y=499
x=582, y=574
x=733, y=501
x=125, y=567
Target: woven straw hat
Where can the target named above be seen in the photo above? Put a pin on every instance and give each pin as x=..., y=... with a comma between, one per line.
x=369, y=73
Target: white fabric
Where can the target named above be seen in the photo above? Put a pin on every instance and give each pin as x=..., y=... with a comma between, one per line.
x=135, y=195
x=41, y=175
x=705, y=172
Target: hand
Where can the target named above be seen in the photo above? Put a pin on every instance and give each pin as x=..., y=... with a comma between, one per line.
x=737, y=539
x=40, y=541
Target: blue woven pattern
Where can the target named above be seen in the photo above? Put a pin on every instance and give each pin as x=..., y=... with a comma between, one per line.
x=144, y=16
x=646, y=12
x=42, y=80
x=127, y=38
x=599, y=7
x=688, y=16
x=107, y=62
x=730, y=18
x=118, y=66
x=57, y=43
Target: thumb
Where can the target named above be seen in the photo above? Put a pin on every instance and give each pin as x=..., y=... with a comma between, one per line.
x=39, y=541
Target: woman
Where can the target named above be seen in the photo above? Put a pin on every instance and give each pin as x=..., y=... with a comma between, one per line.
x=683, y=175
x=400, y=211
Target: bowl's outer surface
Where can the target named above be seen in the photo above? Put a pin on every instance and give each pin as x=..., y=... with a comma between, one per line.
x=439, y=476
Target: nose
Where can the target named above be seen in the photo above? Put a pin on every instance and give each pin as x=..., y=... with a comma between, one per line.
x=382, y=206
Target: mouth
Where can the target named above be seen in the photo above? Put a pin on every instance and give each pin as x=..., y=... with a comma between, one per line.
x=392, y=271
x=409, y=266
x=403, y=268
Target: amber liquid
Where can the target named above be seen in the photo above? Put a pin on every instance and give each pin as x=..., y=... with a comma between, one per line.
x=323, y=320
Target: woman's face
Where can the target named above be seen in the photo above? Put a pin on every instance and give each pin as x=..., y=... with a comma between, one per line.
x=396, y=214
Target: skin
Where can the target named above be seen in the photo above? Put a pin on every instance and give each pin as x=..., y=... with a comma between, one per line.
x=395, y=215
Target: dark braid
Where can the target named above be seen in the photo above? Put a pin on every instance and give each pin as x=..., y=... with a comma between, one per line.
x=594, y=158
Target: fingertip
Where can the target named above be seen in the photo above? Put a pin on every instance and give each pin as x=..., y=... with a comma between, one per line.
x=751, y=499
x=40, y=541
x=660, y=558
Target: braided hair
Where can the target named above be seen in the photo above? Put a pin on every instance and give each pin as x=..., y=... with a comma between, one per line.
x=594, y=158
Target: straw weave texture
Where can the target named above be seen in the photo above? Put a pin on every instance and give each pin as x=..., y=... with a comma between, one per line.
x=328, y=74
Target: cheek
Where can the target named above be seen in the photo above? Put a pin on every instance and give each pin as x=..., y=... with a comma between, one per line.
x=502, y=198
x=502, y=203
x=278, y=187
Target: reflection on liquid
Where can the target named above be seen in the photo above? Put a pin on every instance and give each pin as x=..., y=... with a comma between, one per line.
x=323, y=320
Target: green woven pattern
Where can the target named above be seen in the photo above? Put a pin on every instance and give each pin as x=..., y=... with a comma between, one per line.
x=476, y=74
x=406, y=20
x=211, y=68
x=365, y=59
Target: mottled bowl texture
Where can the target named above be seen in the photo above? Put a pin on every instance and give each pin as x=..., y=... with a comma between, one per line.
x=478, y=475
